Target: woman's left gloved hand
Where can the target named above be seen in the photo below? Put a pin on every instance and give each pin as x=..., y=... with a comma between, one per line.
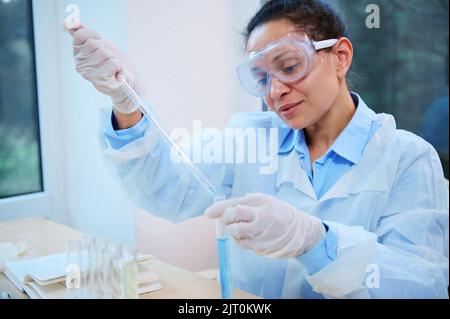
x=268, y=226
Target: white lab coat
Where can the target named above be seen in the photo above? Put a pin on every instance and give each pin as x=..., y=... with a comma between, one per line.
x=389, y=212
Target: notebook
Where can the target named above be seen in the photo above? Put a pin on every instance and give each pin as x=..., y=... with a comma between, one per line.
x=44, y=277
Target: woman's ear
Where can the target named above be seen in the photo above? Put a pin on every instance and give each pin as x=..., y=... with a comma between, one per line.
x=344, y=52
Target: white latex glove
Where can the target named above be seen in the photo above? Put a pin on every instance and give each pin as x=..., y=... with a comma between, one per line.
x=99, y=61
x=268, y=226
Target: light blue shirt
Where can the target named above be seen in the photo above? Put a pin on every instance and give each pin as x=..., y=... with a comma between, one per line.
x=380, y=192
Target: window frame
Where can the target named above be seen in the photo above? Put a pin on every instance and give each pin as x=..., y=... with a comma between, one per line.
x=51, y=202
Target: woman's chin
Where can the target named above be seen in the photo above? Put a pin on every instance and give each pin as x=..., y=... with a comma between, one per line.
x=295, y=123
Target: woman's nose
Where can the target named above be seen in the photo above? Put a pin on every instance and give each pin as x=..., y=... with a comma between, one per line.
x=277, y=88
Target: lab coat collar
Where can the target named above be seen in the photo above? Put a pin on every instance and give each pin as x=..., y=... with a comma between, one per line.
x=349, y=144
x=376, y=167
x=290, y=171
x=284, y=133
x=374, y=157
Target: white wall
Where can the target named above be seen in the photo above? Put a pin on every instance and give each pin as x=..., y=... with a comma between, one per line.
x=187, y=52
x=95, y=203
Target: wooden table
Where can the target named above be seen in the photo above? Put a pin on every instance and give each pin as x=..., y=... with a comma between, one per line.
x=45, y=237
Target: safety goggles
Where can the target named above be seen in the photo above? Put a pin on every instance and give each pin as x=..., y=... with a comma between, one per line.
x=289, y=60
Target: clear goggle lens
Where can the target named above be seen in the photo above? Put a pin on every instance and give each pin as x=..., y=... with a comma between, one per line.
x=288, y=60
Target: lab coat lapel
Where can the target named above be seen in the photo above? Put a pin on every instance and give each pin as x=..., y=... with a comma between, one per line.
x=290, y=171
x=374, y=170
x=341, y=188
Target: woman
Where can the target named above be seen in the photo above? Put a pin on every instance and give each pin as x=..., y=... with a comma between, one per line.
x=356, y=208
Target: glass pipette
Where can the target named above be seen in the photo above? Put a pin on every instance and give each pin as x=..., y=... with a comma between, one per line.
x=222, y=240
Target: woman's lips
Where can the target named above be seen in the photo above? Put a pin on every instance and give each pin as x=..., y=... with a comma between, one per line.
x=290, y=109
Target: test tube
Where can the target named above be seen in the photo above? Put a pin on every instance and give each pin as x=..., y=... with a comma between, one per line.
x=223, y=249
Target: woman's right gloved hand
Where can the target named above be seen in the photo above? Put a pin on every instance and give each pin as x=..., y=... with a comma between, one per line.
x=99, y=61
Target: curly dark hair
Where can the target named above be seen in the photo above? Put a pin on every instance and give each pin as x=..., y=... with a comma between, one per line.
x=313, y=17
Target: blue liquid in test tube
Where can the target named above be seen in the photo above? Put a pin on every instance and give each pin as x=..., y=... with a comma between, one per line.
x=224, y=267
x=223, y=248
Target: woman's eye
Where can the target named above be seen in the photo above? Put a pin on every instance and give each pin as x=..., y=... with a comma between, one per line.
x=260, y=79
x=262, y=82
x=290, y=69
